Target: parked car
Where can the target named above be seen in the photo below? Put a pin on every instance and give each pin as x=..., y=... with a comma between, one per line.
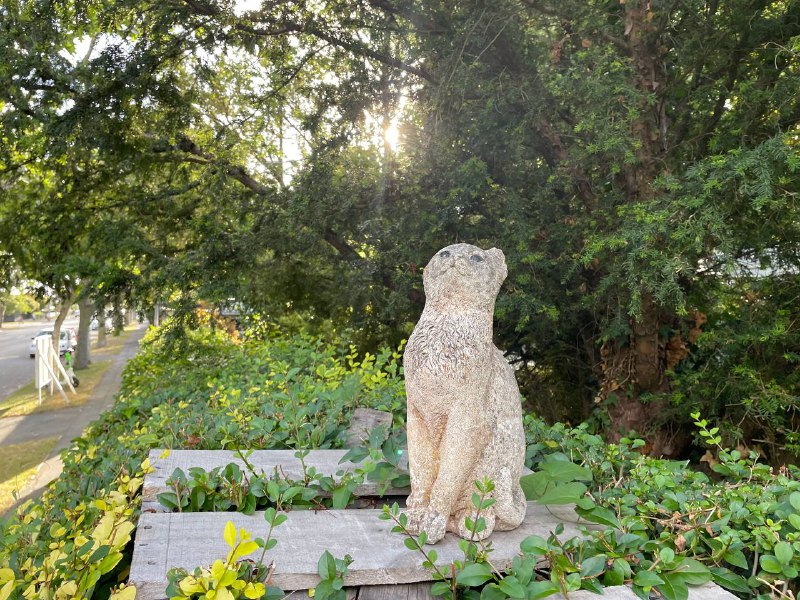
x=68, y=340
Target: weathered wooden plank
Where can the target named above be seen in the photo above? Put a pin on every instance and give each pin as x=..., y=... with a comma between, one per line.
x=421, y=591
x=324, y=461
x=709, y=591
x=617, y=592
x=380, y=557
x=407, y=591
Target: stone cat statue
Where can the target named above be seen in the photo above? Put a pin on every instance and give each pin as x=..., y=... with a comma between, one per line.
x=464, y=409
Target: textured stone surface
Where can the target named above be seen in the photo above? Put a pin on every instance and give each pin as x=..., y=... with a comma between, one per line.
x=363, y=421
x=188, y=540
x=709, y=591
x=464, y=411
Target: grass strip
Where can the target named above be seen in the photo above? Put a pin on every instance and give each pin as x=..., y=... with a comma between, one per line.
x=18, y=465
x=114, y=343
x=25, y=401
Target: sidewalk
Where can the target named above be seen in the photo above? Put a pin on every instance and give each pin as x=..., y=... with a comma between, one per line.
x=67, y=423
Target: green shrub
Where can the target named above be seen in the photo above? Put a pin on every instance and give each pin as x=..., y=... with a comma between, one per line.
x=59, y=548
x=742, y=370
x=741, y=522
x=211, y=393
x=663, y=524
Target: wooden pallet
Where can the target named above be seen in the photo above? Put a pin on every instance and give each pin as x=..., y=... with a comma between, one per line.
x=383, y=568
x=165, y=540
x=327, y=462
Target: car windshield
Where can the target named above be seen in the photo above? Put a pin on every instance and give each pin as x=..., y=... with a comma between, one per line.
x=50, y=332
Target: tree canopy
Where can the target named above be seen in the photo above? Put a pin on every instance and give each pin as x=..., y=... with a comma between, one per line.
x=636, y=160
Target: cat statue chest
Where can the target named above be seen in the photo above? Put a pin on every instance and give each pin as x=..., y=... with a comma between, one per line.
x=446, y=351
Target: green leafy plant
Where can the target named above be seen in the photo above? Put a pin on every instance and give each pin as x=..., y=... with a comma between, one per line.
x=382, y=458
x=571, y=563
x=229, y=488
x=331, y=573
x=68, y=553
x=213, y=392
x=558, y=481
x=232, y=578
x=740, y=521
x=417, y=543
x=673, y=525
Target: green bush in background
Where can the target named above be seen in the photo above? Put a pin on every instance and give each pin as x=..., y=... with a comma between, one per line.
x=208, y=393
x=664, y=525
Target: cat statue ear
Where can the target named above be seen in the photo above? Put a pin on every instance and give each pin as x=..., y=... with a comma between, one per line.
x=499, y=261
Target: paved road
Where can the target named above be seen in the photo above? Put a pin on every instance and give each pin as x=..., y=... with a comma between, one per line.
x=67, y=423
x=16, y=366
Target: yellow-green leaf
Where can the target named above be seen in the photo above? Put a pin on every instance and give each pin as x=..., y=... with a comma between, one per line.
x=68, y=588
x=102, y=532
x=254, y=590
x=126, y=593
x=217, y=570
x=123, y=534
x=224, y=594
x=6, y=590
x=228, y=578
x=230, y=534
x=189, y=585
x=244, y=549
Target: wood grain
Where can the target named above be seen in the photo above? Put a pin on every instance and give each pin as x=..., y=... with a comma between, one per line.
x=326, y=462
x=188, y=540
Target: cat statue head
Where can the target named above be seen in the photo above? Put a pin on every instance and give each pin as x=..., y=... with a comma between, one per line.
x=463, y=276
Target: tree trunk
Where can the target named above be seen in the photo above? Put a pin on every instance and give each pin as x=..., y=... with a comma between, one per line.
x=637, y=366
x=2, y=313
x=63, y=311
x=83, y=358
x=632, y=369
x=116, y=317
x=101, y=328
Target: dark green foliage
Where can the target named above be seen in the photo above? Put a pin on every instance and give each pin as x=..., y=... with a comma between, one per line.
x=331, y=573
x=618, y=161
x=744, y=368
x=631, y=159
x=232, y=488
x=658, y=525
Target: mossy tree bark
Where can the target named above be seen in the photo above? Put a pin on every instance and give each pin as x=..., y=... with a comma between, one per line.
x=83, y=358
x=101, y=328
